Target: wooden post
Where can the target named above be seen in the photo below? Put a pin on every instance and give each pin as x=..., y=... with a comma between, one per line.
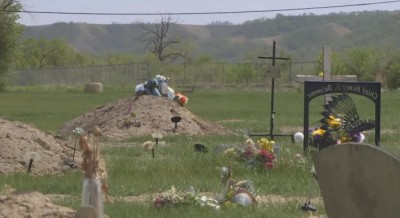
x=327, y=68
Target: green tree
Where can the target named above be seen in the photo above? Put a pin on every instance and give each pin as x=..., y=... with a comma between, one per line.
x=393, y=72
x=42, y=53
x=361, y=62
x=10, y=32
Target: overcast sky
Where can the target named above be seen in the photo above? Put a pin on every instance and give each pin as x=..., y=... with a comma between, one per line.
x=180, y=6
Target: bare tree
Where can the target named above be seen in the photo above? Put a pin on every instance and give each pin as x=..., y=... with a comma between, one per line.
x=161, y=43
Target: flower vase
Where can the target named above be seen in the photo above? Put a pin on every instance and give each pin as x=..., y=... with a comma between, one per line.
x=92, y=195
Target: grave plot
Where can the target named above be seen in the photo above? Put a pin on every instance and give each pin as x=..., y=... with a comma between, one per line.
x=143, y=115
x=31, y=204
x=21, y=142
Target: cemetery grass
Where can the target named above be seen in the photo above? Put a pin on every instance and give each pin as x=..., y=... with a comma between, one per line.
x=135, y=177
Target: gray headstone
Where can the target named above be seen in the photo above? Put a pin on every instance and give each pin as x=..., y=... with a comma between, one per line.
x=358, y=180
x=87, y=212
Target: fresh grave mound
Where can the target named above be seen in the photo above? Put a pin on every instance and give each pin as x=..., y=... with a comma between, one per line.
x=142, y=115
x=18, y=140
x=31, y=204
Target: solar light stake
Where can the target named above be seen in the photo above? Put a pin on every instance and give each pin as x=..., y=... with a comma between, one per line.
x=176, y=120
x=73, y=155
x=156, y=136
x=30, y=165
x=31, y=156
x=152, y=150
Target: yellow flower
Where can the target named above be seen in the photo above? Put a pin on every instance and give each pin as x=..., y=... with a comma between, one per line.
x=318, y=132
x=334, y=122
x=345, y=139
x=265, y=144
x=231, y=152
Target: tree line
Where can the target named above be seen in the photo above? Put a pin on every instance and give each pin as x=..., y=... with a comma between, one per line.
x=368, y=64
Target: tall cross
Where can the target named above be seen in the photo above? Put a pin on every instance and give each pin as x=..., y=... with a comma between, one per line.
x=273, y=58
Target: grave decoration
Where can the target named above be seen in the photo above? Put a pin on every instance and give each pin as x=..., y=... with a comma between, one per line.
x=95, y=183
x=158, y=86
x=263, y=153
x=30, y=157
x=78, y=131
x=200, y=148
x=131, y=121
x=340, y=123
x=235, y=193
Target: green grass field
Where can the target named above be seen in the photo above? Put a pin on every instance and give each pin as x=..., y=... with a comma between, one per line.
x=133, y=172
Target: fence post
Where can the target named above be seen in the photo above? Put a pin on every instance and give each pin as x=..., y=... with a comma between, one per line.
x=223, y=74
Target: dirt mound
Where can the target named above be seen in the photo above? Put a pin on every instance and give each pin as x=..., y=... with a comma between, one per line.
x=19, y=139
x=32, y=204
x=143, y=115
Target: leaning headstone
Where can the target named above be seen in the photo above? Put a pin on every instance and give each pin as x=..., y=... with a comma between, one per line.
x=358, y=180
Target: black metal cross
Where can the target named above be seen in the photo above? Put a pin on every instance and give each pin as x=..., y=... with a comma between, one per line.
x=273, y=58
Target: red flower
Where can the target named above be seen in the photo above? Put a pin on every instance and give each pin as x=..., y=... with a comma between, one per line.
x=264, y=153
x=270, y=157
x=267, y=155
x=248, y=153
x=268, y=165
x=159, y=202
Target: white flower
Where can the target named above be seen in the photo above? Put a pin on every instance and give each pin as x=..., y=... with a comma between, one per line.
x=148, y=145
x=78, y=131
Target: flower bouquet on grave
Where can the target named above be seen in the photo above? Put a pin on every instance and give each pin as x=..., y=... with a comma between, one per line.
x=261, y=154
x=340, y=123
x=236, y=192
x=174, y=198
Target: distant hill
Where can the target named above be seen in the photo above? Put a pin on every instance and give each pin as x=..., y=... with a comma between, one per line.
x=301, y=37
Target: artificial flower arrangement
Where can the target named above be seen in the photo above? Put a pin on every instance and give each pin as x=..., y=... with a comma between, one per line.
x=340, y=124
x=174, y=197
x=236, y=192
x=158, y=86
x=131, y=121
x=239, y=193
x=260, y=154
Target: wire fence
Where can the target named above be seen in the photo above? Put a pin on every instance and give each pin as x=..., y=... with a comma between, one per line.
x=203, y=74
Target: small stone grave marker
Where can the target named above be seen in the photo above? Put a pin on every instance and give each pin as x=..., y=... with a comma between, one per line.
x=87, y=212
